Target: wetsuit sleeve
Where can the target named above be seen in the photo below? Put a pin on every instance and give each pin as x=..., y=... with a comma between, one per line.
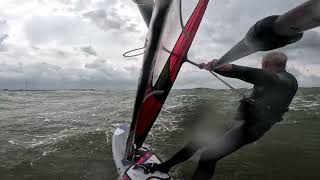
x=251, y=75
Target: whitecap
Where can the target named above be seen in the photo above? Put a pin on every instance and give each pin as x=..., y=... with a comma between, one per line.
x=12, y=142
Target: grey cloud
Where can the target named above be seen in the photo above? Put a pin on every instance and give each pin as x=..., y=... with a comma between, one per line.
x=89, y=50
x=82, y=4
x=66, y=1
x=47, y=76
x=58, y=53
x=133, y=70
x=305, y=80
x=43, y=70
x=310, y=81
x=2, y=21
x=110, y=20
x=306, y=50
x=104, y=67
x=104, y=21
x=3, y=37
x=294, y=71
x=3, y=48
x=224, y=24
x=304, y=56
x=11, y=68
x=3, y=26
x=61, y=53
x=311, y=39
x=97, y=64
x=35, y=48
x=42, y=29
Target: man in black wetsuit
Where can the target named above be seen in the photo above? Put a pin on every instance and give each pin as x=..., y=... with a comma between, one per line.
x=272, y=93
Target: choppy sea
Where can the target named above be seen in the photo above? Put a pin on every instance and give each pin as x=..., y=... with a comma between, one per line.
x=67, y=135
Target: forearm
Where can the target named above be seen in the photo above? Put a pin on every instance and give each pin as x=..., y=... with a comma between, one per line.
x=229, y=73
x=248, y=74
x=234, y=71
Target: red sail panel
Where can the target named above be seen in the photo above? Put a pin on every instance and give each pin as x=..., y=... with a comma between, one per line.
x=149, y=110
x=167, y=60
x=186, y=38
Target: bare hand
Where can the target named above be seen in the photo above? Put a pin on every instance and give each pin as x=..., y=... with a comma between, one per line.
x=208, y=66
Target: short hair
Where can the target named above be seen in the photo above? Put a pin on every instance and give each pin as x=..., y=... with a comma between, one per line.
x=277, y=58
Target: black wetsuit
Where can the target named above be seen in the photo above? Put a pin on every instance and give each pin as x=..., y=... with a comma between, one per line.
x=271, y=96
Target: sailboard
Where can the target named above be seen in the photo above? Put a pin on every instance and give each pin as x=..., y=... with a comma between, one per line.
x=167, y=44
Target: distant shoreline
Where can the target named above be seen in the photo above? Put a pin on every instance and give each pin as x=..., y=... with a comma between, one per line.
x=51, y=90
x=31, y=90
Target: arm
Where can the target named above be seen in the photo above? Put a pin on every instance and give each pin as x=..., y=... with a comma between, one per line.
x=251, y=75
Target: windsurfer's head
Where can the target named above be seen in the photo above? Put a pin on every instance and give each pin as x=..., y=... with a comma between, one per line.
x=274, y=61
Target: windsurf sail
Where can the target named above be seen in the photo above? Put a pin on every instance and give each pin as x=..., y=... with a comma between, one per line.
x=167, y=43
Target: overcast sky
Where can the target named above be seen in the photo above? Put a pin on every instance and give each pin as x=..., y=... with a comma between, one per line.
x=63, y=44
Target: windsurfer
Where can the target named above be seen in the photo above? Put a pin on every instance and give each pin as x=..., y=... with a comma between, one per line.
x=273, y=91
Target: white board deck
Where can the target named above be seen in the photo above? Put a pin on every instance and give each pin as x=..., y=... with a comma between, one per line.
x=127, y=172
